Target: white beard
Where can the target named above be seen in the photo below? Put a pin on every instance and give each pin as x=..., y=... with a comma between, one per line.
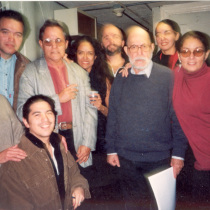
x=147, y=61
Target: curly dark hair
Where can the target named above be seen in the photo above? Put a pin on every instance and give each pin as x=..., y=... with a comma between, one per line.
x=100, y=71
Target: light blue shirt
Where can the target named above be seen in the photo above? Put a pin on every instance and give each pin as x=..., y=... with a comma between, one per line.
x=7, y=70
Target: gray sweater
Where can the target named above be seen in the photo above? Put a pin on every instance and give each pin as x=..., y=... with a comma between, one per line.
x=142, y=124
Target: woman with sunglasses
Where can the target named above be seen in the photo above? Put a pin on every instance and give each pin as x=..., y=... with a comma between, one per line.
x=167, y=33
x=191, y=99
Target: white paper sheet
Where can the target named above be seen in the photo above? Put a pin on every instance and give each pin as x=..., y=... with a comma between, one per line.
x=164, y=187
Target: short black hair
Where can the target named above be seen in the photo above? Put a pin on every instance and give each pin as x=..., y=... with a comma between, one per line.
x=34, y=99
x=11, y=14
x=53, y=23
x=202, y=37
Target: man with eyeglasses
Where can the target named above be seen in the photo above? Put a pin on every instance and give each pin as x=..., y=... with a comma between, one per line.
x=12, y=63
x=68, y=85
x=143, y=133
x=112, y=41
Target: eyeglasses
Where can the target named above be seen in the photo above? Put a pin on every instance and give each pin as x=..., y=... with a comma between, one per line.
x=197, y=52
x=49, y=42
x=135, y=48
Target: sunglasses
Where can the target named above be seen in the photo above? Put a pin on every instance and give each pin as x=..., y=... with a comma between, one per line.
x=197, y=52
x=49, y=42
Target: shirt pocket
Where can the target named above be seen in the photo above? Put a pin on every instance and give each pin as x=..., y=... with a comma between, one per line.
x=43, y=188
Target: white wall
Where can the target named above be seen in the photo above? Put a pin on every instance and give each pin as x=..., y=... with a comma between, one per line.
x=36, y=12
x=189, y=16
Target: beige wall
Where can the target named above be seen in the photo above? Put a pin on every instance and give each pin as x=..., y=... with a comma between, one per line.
x=36, y=12
x=189, y=16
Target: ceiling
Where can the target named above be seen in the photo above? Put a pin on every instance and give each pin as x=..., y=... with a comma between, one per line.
x=135, y=12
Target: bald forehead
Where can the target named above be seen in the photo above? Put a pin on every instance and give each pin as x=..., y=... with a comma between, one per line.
x=109, y=28
x=136, y=32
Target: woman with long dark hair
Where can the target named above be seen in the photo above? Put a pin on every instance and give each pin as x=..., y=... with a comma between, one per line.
x=88, y=53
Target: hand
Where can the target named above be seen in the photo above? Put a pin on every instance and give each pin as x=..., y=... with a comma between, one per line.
x=124, y=71
x=65, y=57
x=96, y=101
x=78, y=196
x=63, y=140
x=68, y=93
x=113, y=160
x=12, y=154
x=177, y=165
x=83, y=154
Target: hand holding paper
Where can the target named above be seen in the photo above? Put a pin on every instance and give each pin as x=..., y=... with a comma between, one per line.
x=164, y=187
x=177, y=165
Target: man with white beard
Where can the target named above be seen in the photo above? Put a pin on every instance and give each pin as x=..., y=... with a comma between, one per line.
x=143, y=133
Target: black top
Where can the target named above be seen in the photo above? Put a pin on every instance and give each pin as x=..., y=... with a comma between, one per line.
x=163, y=59
x=102, y=120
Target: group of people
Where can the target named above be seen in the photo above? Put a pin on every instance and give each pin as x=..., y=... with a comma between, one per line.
x=40, y=173
x=186, y=56
x=133, y=126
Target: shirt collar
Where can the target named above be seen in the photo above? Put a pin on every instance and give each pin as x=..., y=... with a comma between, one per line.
x=11, y=59
x=146, y=71
x=54, y=140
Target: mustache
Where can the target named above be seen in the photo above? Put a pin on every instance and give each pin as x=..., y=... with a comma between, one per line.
x=112, y=45
x=110, y=52
x=132, y=61
x=140, y=58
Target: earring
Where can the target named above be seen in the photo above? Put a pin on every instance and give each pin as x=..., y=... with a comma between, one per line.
x=180, y=65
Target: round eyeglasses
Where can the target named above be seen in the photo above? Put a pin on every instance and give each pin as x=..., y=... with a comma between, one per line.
x=135, y=48
x=197, y=52
x=49, y=42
